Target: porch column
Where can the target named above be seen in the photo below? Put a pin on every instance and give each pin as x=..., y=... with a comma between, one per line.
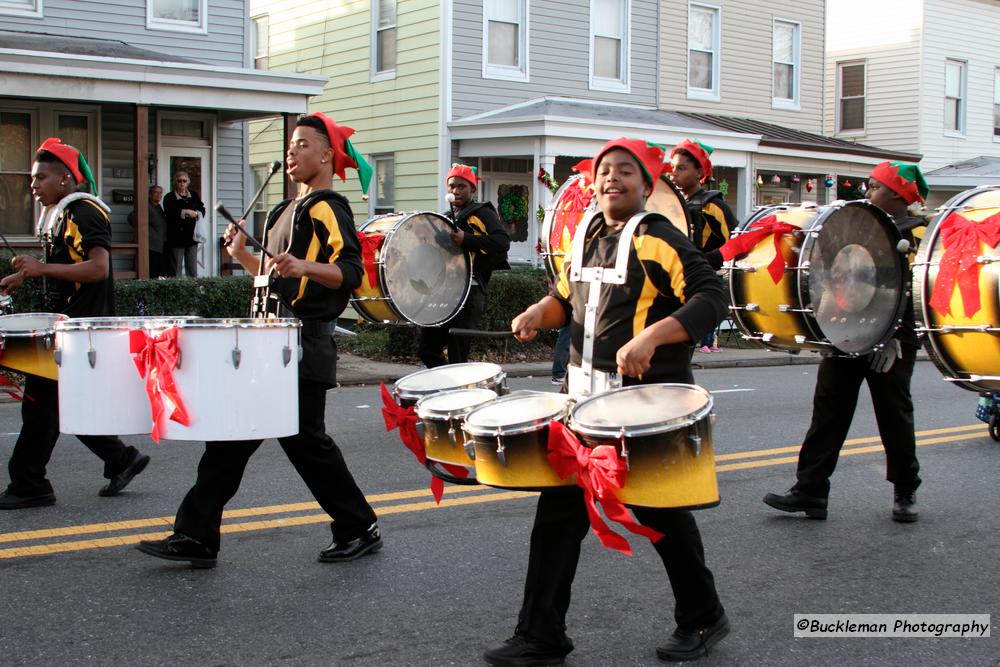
x=291, y=189
x=542, y=195
x=141, y=183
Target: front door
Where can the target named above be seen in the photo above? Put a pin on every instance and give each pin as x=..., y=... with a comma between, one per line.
x=511, y=194
x=197, y=163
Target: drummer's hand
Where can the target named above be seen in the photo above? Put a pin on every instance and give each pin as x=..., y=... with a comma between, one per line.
x=634, y=357
x=236, y=240
x=27, y=266
x=11, y=283
x=882, y=360
x=525, y=326
x=457, y=236
x=287, y=266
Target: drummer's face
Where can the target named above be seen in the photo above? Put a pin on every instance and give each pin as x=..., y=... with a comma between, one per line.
x=881, y=196
x=50, y=182
x=306, y=152
x=462, y=190
x=621, y=188
x=686, y=174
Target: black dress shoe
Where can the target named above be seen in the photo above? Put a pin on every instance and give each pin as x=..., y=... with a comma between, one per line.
x=796, y=501
x=340, y=552
x=690, y=644
x=904, y=509
x=12, y=501
x=519, y=651
x=122, y=479
x=179, y=547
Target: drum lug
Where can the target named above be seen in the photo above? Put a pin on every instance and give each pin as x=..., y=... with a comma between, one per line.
x=237, y=356
x=92, y=357
x=749, y=268
x=470, y=449
x=785, y=308
x=983, y=259
x=695, y=441
x=180, y=353
x=286, y=355
x=48, y=342
x=624, y=453
x=750, y=308
x=501, y=450
x=57, y=355
x=451, y=434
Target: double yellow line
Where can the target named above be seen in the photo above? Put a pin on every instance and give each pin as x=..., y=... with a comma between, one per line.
x=299, y=514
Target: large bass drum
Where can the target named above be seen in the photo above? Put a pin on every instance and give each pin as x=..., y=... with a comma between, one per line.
x=843, y=286
x=412, y=271
x=574, y=198
x=965, y=346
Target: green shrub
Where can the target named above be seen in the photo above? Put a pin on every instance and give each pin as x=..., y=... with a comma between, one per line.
x=188, y=297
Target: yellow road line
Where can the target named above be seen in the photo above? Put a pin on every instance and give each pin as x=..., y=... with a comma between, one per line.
x=126, y=540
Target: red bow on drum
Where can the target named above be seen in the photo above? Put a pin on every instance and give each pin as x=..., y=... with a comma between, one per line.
x=155, y=358
x=599, y=471
x=757, y=232
x=405, y=419
x=960, y=238
x=370, y=244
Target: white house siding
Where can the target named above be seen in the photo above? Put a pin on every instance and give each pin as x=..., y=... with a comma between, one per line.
x=963, y=30
x=558, y=57
x=745, y=61
x=125, y=20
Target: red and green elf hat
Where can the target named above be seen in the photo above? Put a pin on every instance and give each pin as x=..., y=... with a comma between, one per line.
x=903, y=178
x=700, y=152
x=650, y=157
x=73, y=159
x=344, y=153
x=463, y=171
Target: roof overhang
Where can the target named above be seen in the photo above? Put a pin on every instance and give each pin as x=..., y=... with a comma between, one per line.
x=235, y=93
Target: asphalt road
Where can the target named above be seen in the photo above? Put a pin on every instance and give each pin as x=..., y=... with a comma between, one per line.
x=449, y=579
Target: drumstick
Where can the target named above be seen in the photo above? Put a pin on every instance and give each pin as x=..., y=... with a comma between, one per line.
x=456, y=331
x=221, y=210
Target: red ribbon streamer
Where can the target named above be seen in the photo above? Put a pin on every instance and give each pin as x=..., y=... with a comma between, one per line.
x=14, y=391
x=575, y=199
x=758, y=231
x=598, y=472
x=370, y=243
x=960, y=238
x=405, y=419
x=155, y=358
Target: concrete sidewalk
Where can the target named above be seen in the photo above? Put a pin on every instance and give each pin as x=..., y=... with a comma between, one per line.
x=352, y=370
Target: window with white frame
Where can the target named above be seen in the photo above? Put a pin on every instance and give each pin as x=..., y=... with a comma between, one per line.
x=385, y=184
x=703, y=51
x=179, y=15
x=609, y=47
x=785, y=50
x=383, y=39
x=954, y=97
x=851, y=97
x=27, y=8
x=996, y=103
x=261, y=40
x=505, y=41
x=260, y=172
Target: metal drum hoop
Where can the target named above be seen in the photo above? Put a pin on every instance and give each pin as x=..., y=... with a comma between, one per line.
x=402, y=394
x=665, y=426
x=517, y=428
x=55, y=318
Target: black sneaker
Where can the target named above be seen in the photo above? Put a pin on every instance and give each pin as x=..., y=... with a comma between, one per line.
x=180, y=547
x=796, y=501
x=12, y=501
x=341, y=552
x=519, y=651
x=904, y=507
x=122, y=479
x=690, y=644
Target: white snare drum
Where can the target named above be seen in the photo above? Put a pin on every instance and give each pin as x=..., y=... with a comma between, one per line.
x=26, y=343
x=237, y=378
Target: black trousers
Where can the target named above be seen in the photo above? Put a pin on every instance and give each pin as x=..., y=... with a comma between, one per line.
x=316, y=458
x=39, y=432
x=434, y=339
x=561, y=523
x=838, y=383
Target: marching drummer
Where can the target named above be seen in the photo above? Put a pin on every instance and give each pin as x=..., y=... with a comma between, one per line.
x=316, y=263
x=892, y=186
x=644, y=330
x=479, y=232
x=76, y=235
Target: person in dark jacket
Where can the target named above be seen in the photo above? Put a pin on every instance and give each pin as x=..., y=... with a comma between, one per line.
x=478, y=231
x=183, y=209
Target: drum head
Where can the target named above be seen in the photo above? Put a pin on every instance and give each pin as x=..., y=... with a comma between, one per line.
x=855, y=282
x=668, y=201
x=516, y=413
x=426, y=276
x=449, y=403
x=569, y=204
x=452, y=376
x=28, y=324
x=641, y=410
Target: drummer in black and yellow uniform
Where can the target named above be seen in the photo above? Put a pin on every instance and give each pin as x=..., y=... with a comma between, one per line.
x=712, y=221
x=644, y=330
x=892, y=186
x=76, y=235
x=479, y=232
x=316, y=264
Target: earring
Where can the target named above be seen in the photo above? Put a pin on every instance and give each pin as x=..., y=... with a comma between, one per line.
x=322, y=161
